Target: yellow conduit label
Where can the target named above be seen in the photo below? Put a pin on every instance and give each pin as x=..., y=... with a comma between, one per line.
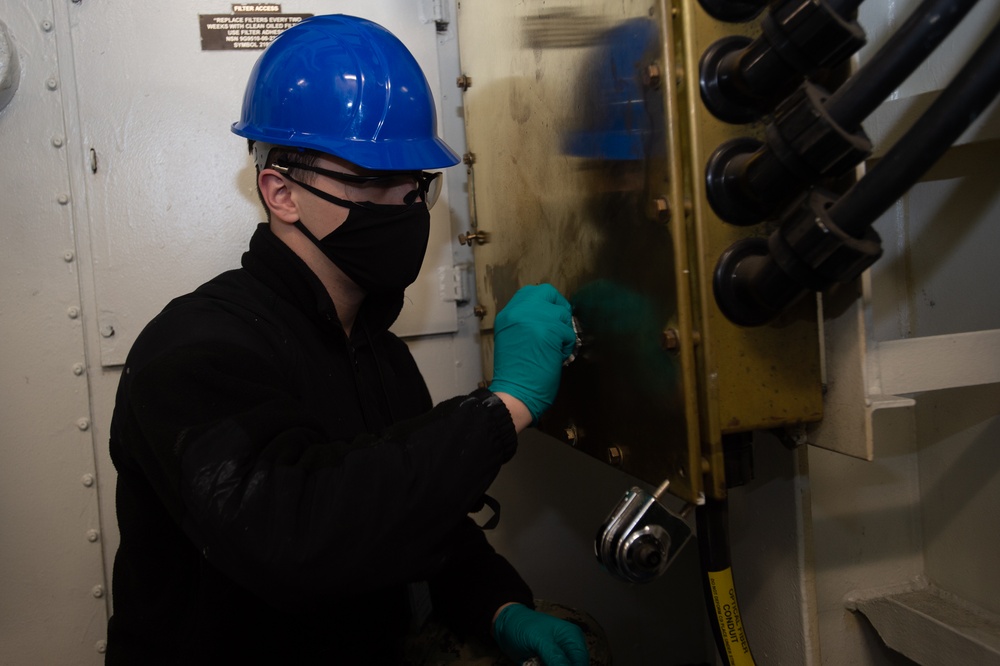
x=730, y=623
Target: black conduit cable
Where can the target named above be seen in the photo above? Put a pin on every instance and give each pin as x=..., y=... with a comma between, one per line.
x=956, y=107
x=712, y=524
x=742, y=79
x=908, y=47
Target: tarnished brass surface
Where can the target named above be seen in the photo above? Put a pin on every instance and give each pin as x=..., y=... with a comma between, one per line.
x=590, y=141
x=748, y=378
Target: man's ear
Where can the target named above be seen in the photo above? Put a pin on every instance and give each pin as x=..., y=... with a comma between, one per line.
x=277, y=196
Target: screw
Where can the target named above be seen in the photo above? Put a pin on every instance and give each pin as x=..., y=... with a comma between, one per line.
x=78, y=369
x=663, y=211
x=101, y=646
x=93, y=536
x=469, y=159
x=52, y=84
x=47, y=25
x=479, y=311
x=571, y=435
x=652, y=76
x=68, y=256
x=63, y=199
x=107, y=331
x=615, y=456
x=98, y=591
x=83, y=424
x=73, y=312
x=87, y=480
x=57, y=141
x=671, y=340
x=464, y=82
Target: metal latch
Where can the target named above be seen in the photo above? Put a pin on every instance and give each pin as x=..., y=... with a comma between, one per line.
x=641, y=537
x=470, y=237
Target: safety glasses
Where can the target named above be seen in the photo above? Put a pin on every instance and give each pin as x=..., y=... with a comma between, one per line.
x=402, y=188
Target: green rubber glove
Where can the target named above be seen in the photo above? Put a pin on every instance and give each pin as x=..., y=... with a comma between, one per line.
x=523, y=633
x=532, y=336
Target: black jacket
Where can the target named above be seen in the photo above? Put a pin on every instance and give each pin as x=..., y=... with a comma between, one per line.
x=279, y=483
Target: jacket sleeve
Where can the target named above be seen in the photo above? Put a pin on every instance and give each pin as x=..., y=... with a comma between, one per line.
x=250, y=477
x=476, y=582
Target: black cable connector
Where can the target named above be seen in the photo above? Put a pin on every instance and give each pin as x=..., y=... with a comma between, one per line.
x=747, y=181
x=741, y=80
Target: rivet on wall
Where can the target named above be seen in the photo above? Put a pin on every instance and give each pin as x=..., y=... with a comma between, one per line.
x=87, y=480
x=83, y=424
x=93, y=536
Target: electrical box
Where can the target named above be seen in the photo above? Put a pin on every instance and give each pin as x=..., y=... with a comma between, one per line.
x=588, y=142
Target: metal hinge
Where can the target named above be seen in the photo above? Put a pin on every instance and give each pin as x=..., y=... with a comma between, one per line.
x=437, y=11
x=455, y=283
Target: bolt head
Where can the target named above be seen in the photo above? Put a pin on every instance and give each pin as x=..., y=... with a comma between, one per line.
x=671, y=339
x=652, y=75
x=663, y=210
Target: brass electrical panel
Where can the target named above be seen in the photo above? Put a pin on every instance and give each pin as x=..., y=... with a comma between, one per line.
x=590, y=142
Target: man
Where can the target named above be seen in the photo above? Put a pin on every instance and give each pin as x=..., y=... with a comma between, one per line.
x=282, y=476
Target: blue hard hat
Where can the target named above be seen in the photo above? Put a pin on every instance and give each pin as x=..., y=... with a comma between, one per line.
x=348, y=87
x=618, y=117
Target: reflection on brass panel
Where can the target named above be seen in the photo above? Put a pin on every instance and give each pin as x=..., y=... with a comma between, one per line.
x=570, y=179
x=590, y=141
x=562, y=28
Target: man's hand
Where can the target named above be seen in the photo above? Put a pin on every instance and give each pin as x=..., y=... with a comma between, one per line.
x=532, y=337
x=523, y=633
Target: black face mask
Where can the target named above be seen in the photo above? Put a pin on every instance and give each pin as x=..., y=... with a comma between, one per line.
x=380, y=249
